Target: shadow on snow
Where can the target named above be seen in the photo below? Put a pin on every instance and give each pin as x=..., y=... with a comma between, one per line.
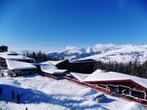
x=28, y=96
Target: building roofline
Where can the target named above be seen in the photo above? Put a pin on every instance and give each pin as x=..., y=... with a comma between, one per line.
x=127, y=80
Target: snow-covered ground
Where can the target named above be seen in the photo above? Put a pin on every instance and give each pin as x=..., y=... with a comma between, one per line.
x=42, y=93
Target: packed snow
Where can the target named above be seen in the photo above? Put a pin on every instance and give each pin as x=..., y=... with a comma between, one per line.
x=42, y=93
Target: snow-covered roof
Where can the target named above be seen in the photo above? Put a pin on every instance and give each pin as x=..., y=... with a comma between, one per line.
x=82, y=61
x=15, y=65
x=79, y=76
x=14, y=56
x=100, y=75
x=54, y=62
x=50, y=68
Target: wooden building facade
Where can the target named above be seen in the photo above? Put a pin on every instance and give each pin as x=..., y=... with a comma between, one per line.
x=15, y=64
x=116, y=84
x=80, y=66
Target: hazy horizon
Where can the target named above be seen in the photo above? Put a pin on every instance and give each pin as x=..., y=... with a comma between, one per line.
x=69, y=47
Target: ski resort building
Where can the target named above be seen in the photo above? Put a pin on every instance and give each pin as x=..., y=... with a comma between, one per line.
x=49, y=69
x=18, y=68
x=16, y=64
x=13, y=56
x=80, y=66
x=130, y=87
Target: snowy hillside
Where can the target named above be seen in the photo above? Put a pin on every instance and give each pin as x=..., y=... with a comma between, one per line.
x=123, y=54
x=105, y=52
x=42, y=93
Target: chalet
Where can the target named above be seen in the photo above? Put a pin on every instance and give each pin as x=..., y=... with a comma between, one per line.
x=16, y=64
x=80, y=66
x=122, y=85
x=13, y=56
x=18, y=68
x=130, y=87
x=49, y=69
x=65, y=64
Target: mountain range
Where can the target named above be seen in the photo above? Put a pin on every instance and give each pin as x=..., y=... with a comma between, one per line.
x=105, y=53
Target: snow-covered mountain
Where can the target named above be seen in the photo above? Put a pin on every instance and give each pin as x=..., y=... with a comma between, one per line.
x=73, y=53
x=105, y=53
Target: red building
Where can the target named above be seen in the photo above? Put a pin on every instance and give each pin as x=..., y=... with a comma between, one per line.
x=122, y=85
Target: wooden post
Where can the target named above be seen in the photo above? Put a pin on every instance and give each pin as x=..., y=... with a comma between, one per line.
x=145, y=95
x=130, y=92
x=108, y=89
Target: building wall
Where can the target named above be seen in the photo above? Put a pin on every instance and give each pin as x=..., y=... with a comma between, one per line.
x=80, y=67
x=14, y=73
x=126, y=88
x=3, y=48
x=3, y=63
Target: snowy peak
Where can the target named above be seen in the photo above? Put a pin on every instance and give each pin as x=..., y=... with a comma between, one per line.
x=123, y=54
x=73, y=53
x=105, y=53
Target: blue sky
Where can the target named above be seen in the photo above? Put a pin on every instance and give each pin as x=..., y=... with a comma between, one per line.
x=54, y=24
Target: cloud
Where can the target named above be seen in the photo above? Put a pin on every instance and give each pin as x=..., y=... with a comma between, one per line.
x=71, y=47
